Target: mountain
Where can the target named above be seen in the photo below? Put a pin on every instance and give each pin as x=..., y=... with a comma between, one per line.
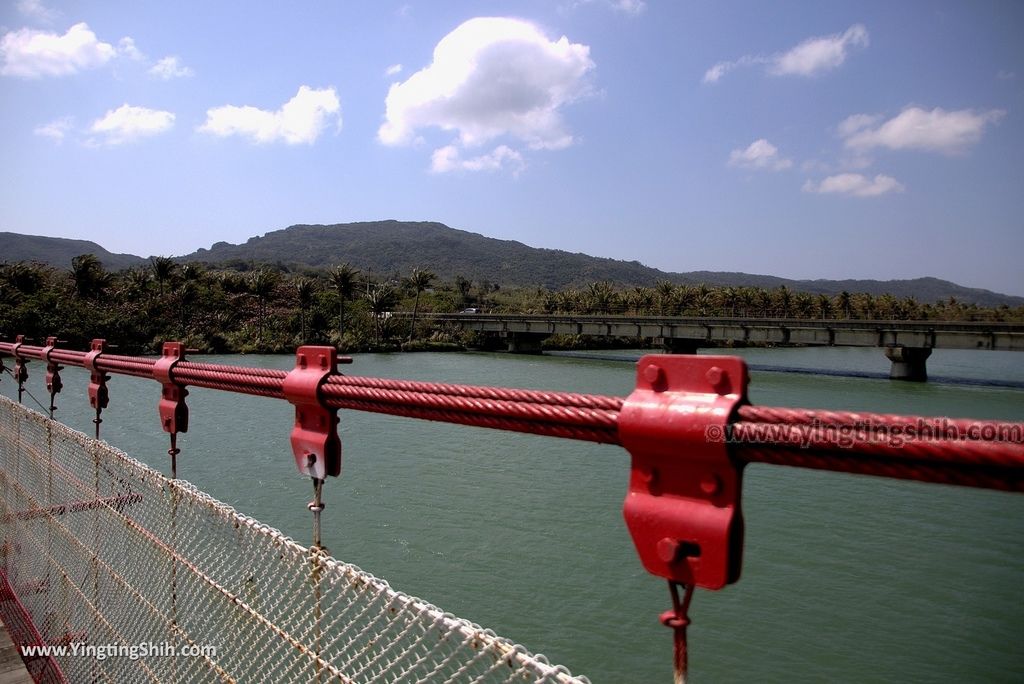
x=392, y=248
x=60, y=251
x=396, y=247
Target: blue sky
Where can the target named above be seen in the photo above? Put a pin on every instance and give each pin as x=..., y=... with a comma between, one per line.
x=800, y=139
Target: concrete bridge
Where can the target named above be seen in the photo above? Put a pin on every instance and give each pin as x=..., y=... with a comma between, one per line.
x=907, y=344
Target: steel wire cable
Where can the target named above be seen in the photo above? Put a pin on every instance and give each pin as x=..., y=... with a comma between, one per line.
x=942, y=428
x=978, y=453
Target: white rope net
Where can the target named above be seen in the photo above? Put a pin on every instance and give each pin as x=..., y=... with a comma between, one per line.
x=102, y=549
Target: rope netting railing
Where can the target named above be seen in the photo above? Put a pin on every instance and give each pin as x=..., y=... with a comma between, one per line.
x=103, y=550
x=688, y=427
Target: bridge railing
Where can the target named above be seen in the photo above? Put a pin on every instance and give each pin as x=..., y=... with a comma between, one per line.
x=688, y=426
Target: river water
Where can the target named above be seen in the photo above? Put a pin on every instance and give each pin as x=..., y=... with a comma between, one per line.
x=845, y=578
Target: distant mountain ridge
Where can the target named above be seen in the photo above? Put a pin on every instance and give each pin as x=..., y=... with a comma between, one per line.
x=386, y=248
x=60, y=251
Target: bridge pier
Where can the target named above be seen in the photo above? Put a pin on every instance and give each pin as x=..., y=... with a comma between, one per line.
x=525, y=343
x=681, y=345
x=908, y=363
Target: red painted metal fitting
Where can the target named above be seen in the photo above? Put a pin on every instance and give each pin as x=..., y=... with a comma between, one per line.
x=315, y=442
x=53, y=382
x=683, y=504
x=20, y=364
x=98, y=394
x=173, y=410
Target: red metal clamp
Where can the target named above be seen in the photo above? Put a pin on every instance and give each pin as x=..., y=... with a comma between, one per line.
x=315, y=442
x=173, y=410
x=53, y=382
x=20, y=365
x=683, y=504
x=98, y=394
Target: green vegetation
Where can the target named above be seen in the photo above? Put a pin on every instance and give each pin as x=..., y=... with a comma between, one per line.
x=266, y=308
x=390, y=250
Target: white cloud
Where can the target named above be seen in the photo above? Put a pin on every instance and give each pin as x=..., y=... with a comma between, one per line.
x=393, y=69
x=448, y=158
x=126, y=47
x=855, y=184
x=127, y=123
x=56, y=129
x=809, y=58
x=38, y=11
x=300, y=120
x=916, y=128
x=816, y=55
x=28, y=53
x=716, y=72
x=856, y=122
x=631, y=7
x=760, y=154
x=170, y=67
x=491, y=77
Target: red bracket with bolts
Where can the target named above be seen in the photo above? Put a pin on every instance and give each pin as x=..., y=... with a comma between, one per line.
x=315, y=442
x=20, y=366
x=173, y=410
x=99, y=397
x=53, y=382
x=683, y=504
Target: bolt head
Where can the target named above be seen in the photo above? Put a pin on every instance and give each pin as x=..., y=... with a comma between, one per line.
x=668, y=549
x=653, y=373
x=718, y=379
x=711, y=485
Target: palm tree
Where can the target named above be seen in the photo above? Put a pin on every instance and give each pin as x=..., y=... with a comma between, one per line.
x=343, y=278
x=419, y=280
x=666, y=297
x=136, y=281
x=804, y=304
x=601, y=297
x=305, y=289
x=702, y=299
x=570, y=301
x=88, y=275
x=764, y=300
x=727, y=298
x=192, y=272
x=865, y=305
x=641, y=299
x=844, y=303
x=163, y=268
x=886, y=305
x=464, y=286
x=745, y=298
x=784, y=301
x=262, y=284
x=25, y=277
x=824, y=305
x=380, y=298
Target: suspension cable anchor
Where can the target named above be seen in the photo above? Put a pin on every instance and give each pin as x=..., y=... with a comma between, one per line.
x=172, y=407
x=99, y=396
x=682, y=506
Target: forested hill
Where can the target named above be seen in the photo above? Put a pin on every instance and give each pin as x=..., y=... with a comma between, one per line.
x=396, y=247
x=60, y=251
x=393, y=248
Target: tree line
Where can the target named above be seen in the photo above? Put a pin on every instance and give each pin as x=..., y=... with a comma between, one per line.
x=275, y=309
